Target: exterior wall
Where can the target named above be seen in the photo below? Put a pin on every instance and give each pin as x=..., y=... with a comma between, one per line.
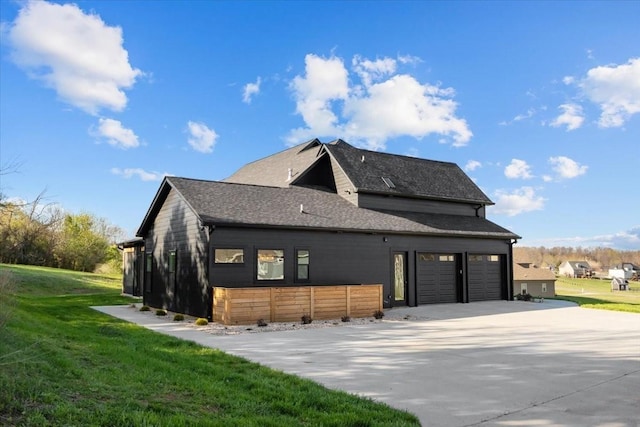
x=234, y=306
x=176, y=228
x=344, y=187
x=373, y=201
x=342, y=258
x=534, y=287
x=133, y=272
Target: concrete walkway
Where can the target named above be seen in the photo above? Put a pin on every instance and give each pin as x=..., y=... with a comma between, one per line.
x=481, y=364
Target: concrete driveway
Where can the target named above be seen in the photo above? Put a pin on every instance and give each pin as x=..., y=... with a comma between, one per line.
x=481, y=364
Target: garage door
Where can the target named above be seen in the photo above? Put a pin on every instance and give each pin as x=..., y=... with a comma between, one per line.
x=436, y=278
x=485, y=277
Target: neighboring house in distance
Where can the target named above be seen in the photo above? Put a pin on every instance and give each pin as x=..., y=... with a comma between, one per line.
x=626, y=270
x=539, y=282
x=313, y=219
x=575, y=269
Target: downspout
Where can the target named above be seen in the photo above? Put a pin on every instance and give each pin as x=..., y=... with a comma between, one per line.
x=510, y=271
x=210, y=229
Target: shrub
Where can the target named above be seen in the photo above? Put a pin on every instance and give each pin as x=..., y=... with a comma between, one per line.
x=262, y=323
x=201, y=321
x=345, y=319
x=178, y=317
x=378, y=314
x=145, y=308
x=306, y=319
x=524, y=297
x=161, y=312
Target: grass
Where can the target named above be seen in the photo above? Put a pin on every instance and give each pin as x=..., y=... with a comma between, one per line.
x=594, y=293
x=62, y=363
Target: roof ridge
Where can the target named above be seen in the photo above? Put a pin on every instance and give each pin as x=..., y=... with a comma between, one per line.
x=384, y=153
x=305, y=144
x=212, y=181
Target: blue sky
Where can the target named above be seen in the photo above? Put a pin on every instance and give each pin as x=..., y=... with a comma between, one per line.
x=539, y=102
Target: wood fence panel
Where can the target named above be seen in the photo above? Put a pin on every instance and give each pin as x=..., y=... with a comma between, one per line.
x=238, y=306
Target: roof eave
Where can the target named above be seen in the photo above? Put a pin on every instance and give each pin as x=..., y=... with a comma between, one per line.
x=463, y=234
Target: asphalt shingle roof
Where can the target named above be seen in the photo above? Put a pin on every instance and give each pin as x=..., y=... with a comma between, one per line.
x=532, y=273
x=411, y=176
x=218, y=203
x=273, y=170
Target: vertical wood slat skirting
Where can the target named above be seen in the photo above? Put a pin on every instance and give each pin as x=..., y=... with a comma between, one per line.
x=243, y=306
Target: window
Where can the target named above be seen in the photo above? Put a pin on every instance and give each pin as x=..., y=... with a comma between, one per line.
x=493, y=258
x=475, y=258
x=228, y=256
x=544, y=288
x=427, y=257
x=270, y=264
x=388, y=181
x=148, y=266
x=302, y=265
x=172, y=261
x=446, y=258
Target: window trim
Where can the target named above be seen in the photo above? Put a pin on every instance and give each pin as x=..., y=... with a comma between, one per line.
x=257, y=266
x=227, y=264
x=172, y=267
x=297, y=278
x=148, y=272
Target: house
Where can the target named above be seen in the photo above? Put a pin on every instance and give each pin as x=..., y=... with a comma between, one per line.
x=575, y=269
x=528, y=279
x=322, y=223
x=626, y=270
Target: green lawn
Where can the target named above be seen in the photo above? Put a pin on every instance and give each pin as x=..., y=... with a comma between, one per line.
x=593, y=293
x=62, y=363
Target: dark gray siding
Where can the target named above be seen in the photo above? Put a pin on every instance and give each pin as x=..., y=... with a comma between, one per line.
x=132, y=264
x=344, y=187
x=391, y=203
x=339, y=258
x=176, y=228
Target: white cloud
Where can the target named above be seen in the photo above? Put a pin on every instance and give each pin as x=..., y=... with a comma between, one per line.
x=547, y=178
x=140, y=173
x=370, y=71
x=472, y=165
x=518, y=201
x=518, y=169
x=116, y=134
x=76, y=54
x=383, y=106
x=251, y=89
x=616, y=90
x=567, y=168
x=530, y=113
x=623, y=240
x=571, y=116
x=201, y=138
x=409, y=59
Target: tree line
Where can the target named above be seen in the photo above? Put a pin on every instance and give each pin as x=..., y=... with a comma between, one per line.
x=599, y=258
x=40, y=233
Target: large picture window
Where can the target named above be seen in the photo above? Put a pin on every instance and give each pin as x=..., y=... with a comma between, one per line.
x=228, y=256
x=270, y=264
x=302, y=265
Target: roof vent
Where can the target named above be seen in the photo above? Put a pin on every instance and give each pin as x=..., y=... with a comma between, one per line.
x=362, y=159
x=388, y=181
x=301, y=208
x=289, y=174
